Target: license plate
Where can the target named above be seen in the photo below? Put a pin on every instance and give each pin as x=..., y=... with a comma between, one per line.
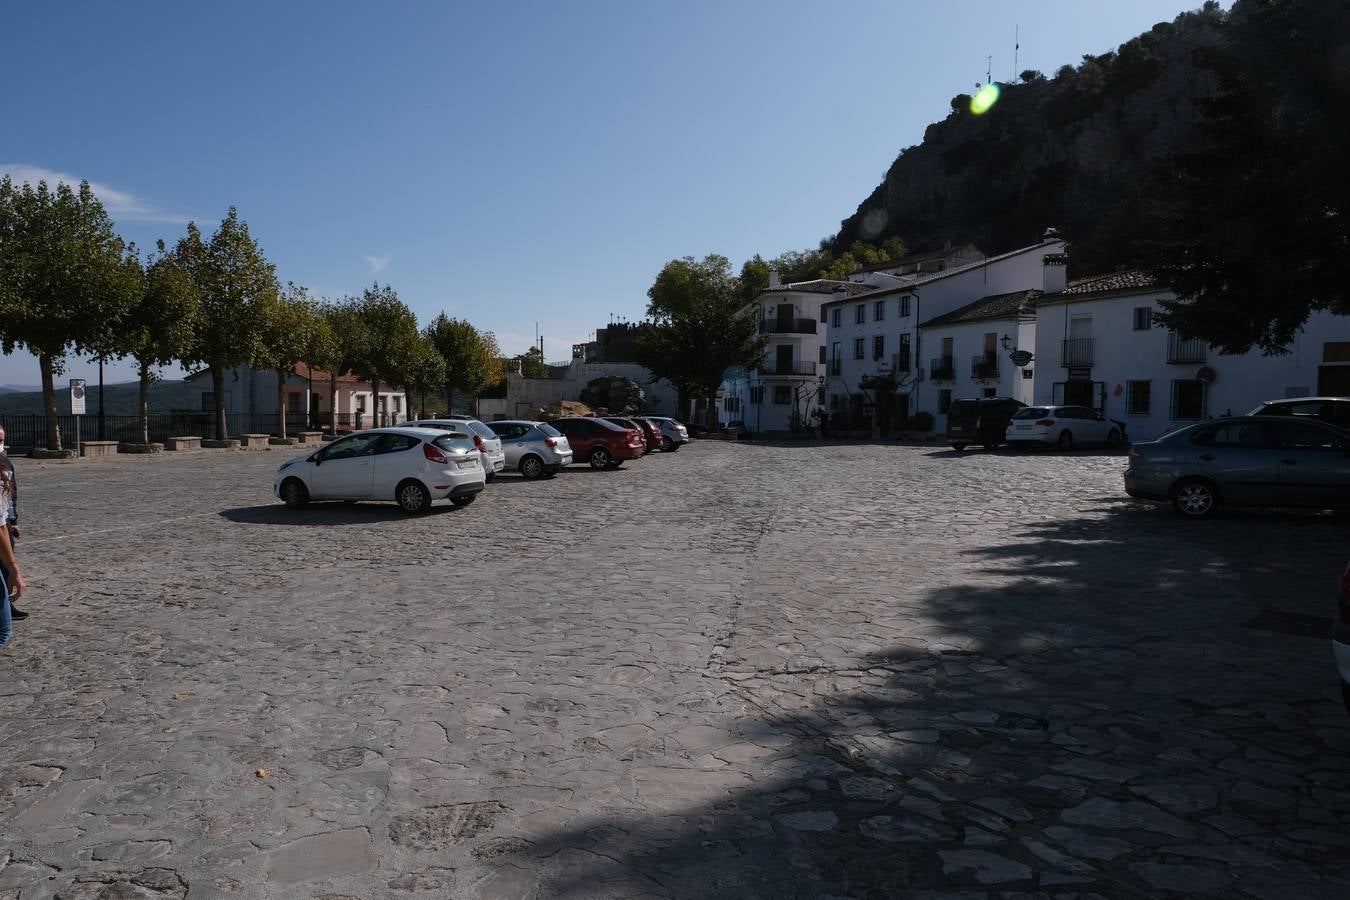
x=467, y=464
x=567, y=460
x=1023, y=427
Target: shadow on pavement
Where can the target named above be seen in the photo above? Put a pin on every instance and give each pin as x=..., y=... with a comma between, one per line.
x=328, y=513
x=1077, y=709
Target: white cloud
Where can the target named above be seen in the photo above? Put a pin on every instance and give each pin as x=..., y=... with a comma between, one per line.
x=121, y=205
x=377, y=263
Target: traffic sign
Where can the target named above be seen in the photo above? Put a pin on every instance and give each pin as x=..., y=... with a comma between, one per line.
x=77, y=396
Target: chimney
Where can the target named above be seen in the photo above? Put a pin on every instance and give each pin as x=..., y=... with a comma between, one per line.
x=1056, y=269
x=1051, y=235
x=773, y=279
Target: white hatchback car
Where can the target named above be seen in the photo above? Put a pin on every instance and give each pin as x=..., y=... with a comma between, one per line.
x=1064, y=427
x=411, y=466
x=483, y=437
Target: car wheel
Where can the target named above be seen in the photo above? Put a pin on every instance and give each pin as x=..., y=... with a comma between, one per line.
x=488, y=476
x=667, y=445
x=1065, y=441
x=293, y=493
x=1194, y=498
x=532, y=467
x=991, y=446
x=464, y=500
x=1113, y=438
x=599, y=458
x=413, y=497
x=958, y=446
x=674, y=446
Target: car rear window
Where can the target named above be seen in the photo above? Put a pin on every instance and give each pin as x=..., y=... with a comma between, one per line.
x=1031, y=412
x=480, y=429
x=963, y=408
x=451, y=442
x=549, y=430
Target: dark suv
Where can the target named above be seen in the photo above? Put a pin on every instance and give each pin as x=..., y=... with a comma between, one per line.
x=602, y=444
x=980, y=421
x=1332, y=410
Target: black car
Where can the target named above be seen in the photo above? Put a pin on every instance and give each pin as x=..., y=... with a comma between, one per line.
x=1332, y=410
x=980, y=421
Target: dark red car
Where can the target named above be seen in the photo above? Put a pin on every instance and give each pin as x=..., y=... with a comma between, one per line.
x=602, y=444
x=651, y=435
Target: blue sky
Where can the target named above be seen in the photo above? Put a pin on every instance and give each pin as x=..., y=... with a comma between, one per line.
x=507, y=163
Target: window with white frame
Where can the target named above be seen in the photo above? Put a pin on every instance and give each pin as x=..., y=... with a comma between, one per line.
x=879, y=311
x=860, y=314
x=904, y=306
x=858, y=345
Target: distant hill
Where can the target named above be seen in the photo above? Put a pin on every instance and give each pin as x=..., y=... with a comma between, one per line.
x=1065, y=151
x=19, y=388
x=121, y=399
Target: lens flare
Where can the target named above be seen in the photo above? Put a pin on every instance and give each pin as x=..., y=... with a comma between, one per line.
x=982, y=102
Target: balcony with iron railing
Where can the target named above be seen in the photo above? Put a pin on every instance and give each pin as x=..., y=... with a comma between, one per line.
x=1076, y=352
x=1182, y=351
x=942, y=369
x=984, y=366
x=794, y=368
x=787, y=326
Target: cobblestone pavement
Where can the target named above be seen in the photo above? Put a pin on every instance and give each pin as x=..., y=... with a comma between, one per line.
x=737, y=671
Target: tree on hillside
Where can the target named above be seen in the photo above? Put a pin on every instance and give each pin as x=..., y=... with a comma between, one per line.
x=470, y=365
x=390, y=342
x=426, y=374
x=532, y=364
x=235, y=283
x=1251, y=227
x=67, y=277
x=159, y=327
x=290, y=325
x=700, y=334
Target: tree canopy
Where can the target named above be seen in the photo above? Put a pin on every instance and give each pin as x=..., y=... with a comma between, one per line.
x=388, y=340
x=470, y=364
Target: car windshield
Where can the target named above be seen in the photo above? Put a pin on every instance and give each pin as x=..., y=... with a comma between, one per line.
x=1031, y=412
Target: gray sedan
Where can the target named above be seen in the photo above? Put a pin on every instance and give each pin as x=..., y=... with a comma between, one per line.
x=534, y=448
x=1244, y=461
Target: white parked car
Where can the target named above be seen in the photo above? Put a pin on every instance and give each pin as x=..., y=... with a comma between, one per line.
x=1064, y=427
x=535, y=448
x=411, y=466
x=487, y=442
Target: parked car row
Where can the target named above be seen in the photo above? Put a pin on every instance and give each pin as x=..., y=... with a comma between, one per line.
x=454, y=457
x=994, y=421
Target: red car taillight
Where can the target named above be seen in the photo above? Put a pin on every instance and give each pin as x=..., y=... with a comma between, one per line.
x=434, y=454
x=478, y=442
x=550, y=442
x=1045, y=421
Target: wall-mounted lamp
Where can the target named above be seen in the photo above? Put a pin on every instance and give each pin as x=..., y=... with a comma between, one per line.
x=1006, y=342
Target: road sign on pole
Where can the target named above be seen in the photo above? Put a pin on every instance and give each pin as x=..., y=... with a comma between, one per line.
x=77, y=396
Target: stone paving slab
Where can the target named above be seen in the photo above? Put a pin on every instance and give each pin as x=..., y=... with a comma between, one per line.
x=736, y=671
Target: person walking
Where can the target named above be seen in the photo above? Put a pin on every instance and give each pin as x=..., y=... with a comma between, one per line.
x=11, y=513
x=11, y=579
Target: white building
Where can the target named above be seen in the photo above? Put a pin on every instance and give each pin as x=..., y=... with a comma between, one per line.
x=1098, y=345
x=972, y=344
x=784, y=393
x=252, y=393
x=879, y=333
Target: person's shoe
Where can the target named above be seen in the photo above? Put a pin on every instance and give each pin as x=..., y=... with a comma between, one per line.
x=17, y=614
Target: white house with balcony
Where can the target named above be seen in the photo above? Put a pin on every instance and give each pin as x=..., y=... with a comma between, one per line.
x=876, y=339
x=1097, y=344
x=974, y=345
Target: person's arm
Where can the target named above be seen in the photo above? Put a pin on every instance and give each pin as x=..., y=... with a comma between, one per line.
x=11, y=562
x=14, y=497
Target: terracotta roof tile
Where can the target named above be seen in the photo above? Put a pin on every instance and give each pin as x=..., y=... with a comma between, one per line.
x=1130, y=280
x=996, y=306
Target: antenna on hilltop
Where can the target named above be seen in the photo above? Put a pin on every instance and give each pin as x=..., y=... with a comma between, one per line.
x=1017, y=45
x=989, y=69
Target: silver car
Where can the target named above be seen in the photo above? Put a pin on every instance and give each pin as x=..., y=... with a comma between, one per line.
x=536, y=449
x=1244, y=461
x=487, y=442
x=673, y=434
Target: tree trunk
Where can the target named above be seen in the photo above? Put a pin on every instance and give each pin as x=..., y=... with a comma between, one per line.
x=424, y=403
x=712, y=411
x=45, y=364
x=281, y=403
x=449, y=397
x=218, y=385
x=375, y=402
x=143, y=404
x=332, y=400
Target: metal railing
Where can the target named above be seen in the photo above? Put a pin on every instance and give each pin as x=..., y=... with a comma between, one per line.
x=1076, y=352
x=773, y=367
x=942, y=369
x=1181, y=350
x=984, y=366
x=24, y=432
x=788, y=326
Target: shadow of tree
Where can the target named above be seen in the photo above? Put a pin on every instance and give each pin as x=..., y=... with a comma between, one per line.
x=1078, y=710
x=327, y=513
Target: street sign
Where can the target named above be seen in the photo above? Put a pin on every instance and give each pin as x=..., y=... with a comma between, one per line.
x=77, y=396
x=1020, y=358
x=1206, y=375
x=1080, y=374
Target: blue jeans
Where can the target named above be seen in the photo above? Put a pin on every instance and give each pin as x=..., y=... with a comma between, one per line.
x=6, y=622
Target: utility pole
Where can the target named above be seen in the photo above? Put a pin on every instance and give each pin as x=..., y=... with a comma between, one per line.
x=1017, y=45
x=989, y=69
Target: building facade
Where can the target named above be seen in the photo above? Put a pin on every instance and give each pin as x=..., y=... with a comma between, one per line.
x=309, y=397
x=1098, y=345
